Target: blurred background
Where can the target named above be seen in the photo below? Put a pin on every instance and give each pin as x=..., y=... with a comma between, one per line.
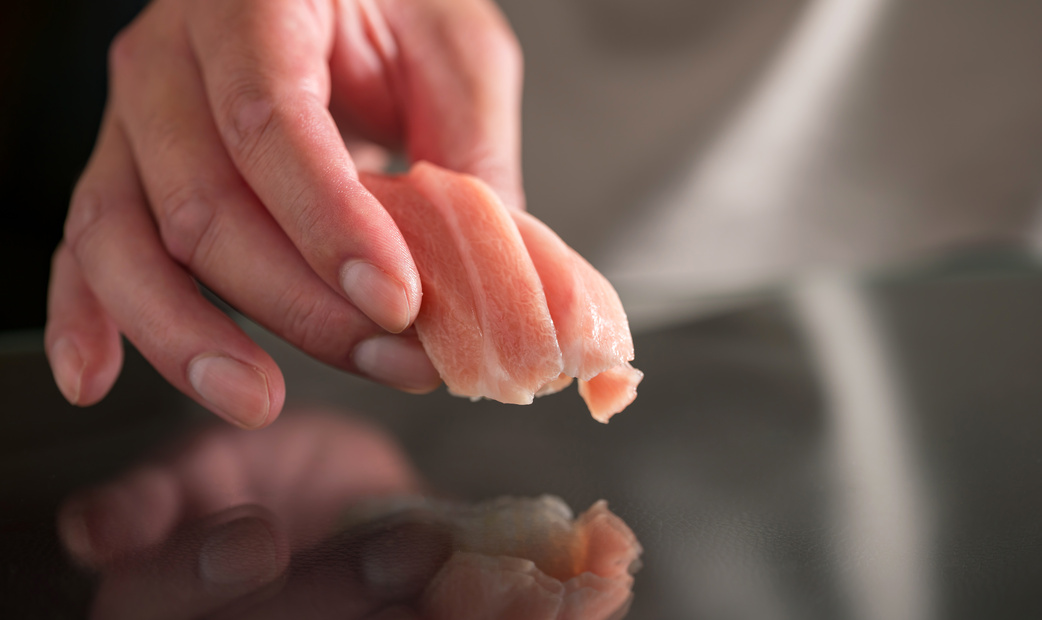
x=822, y=216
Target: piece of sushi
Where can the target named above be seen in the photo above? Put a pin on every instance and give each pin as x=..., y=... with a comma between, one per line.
x=509, y=311
x=520, y=558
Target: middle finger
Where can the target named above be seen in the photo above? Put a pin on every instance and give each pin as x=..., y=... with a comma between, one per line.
x=213, y=223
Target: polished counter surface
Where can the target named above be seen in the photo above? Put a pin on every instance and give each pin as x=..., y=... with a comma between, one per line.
x=851, y=449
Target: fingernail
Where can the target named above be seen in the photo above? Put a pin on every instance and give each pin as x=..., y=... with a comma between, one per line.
x=381, y=297
x=239, y=552
x=239, y=392
x=67, y=365
x=397, y=361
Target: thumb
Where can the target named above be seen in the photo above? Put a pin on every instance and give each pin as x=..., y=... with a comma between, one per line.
x=461, y=72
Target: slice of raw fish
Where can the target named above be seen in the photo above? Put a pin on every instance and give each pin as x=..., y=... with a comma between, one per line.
x=611, y=391
x=528, y=560
x=524, y=558
x=555, y=386
x=479, y=587
x=592, y=329
x=484, y=320
x=509, y=310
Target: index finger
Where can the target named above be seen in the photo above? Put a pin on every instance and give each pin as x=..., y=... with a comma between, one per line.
x=266, y=69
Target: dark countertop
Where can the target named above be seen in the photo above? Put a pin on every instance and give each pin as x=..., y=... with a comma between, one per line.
x=839, y=449
x=758, y=488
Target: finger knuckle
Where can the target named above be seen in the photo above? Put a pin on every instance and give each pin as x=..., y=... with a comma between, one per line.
x=120, y=51
x=124, y=50
x=254, y=115
x=247, y=112
x=312, y=322
x=84, y=219
x=309, y=223
x=60, y=253
x=187, y=218
x=166, y=135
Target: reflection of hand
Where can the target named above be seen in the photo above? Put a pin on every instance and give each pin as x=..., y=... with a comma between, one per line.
x=217, y=521
x=254, y=525
x=222, y=157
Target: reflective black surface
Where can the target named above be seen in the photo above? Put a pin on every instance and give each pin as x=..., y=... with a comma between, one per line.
x=760, y=481
x=842, y=450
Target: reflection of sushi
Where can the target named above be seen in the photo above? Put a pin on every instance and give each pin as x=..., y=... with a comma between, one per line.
x=509, y=311
x=522, y=558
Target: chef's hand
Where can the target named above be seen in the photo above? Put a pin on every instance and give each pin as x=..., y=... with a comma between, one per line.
x=246, y=523
x=228, y=154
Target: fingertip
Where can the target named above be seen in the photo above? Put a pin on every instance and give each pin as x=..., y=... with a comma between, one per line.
x=101, y=370
x=100, y=524
x=85, y=368
x=276, y=397
x=241, y=552
x=74, y=533
x=397, y=361
x=244, y=394
x=81, y=341
x=67, y=366
x=391, y=302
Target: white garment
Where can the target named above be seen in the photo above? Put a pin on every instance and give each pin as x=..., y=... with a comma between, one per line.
x=777, y=137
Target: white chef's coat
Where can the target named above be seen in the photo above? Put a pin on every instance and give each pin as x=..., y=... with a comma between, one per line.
x=701, y=151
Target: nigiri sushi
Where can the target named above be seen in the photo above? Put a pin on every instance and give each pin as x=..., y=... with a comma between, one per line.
x=523, y=558
x=509, y=311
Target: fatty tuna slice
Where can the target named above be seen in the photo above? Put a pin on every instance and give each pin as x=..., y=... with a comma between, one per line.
x=509, y=310
x=592, y=329
x=484, y=320
x=521, y=558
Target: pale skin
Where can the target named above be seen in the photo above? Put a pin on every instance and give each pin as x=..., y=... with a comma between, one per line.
x=228, y=155
x=230, y=524
x=268, y=524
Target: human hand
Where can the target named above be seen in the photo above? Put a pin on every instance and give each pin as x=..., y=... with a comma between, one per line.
x=226, y=521
x=228, y=155
x=320, y=516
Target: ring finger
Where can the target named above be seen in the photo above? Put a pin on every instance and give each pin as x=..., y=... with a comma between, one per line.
x=154, y=302
x=213, y=223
